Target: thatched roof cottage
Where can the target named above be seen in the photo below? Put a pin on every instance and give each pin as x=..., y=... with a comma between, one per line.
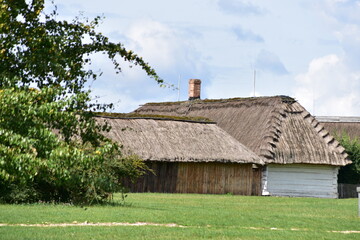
x=302, y=157
x=187, y=155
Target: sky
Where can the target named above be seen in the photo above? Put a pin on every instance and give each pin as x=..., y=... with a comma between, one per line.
x=305, y=49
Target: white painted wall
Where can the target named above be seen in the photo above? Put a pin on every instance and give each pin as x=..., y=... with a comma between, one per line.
x=300, y=180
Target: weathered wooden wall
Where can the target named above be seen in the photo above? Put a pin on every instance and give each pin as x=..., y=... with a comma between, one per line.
x=162, y=180
x=214, y=178
x=210, y=178
x=256, y=182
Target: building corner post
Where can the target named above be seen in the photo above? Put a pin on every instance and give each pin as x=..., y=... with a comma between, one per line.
x=358, y=191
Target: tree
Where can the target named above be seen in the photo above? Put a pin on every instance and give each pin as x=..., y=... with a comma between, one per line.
x=350, y=173
x=51, y=146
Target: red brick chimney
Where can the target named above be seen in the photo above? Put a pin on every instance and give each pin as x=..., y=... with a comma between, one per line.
x=194, y=89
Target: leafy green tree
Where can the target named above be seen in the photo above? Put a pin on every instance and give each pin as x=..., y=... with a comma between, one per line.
x=51, y=146
x=350, y=173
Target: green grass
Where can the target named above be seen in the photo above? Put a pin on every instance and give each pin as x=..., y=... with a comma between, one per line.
x=204, y=217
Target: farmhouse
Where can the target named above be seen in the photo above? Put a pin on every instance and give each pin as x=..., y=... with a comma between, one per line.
x=302, y=158
x=187, y=156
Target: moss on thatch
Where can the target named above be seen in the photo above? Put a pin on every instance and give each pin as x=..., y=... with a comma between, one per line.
x=285, y=99
x=156, y=117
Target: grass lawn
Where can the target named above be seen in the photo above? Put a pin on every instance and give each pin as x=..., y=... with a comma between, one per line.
x=195, y=217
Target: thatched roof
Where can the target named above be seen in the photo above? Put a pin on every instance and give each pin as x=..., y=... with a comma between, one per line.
x=278, y=128
x=156, y=117
x=338, y=126
x=163, y=139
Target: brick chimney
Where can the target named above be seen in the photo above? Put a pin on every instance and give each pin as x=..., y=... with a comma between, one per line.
x=194, y=89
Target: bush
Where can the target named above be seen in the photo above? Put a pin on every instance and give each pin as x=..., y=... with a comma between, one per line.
x=49, y=152
x=350, y=173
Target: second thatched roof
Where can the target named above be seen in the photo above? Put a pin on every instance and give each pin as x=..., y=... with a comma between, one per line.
x=338, y=125
x=177, y=140
x=278, y=129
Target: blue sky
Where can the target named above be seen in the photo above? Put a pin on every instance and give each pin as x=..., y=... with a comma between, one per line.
x=306, y=49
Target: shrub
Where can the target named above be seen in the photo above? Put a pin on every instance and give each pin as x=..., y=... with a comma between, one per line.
x=350, y=173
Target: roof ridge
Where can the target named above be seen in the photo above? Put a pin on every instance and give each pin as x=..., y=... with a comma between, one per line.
x=155, y=117
x=274, y=124
x=285, y=99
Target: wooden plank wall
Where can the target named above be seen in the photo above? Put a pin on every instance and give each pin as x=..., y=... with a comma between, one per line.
x=162, y=180
x=210, y=178
x=256, y=181
x=214, y=178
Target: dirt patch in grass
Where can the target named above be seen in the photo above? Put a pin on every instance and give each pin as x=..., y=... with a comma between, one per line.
x=73, y=224
x=112, y=224
x=345, y=232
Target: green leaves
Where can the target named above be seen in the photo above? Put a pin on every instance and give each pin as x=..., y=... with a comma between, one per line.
x=350, y=173
x=51, y=146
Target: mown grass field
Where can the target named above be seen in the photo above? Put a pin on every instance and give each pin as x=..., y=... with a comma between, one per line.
x=195, y=216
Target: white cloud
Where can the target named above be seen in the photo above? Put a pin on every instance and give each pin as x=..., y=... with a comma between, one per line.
x=155, y=41
x=329, y=87
x=168, y=50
